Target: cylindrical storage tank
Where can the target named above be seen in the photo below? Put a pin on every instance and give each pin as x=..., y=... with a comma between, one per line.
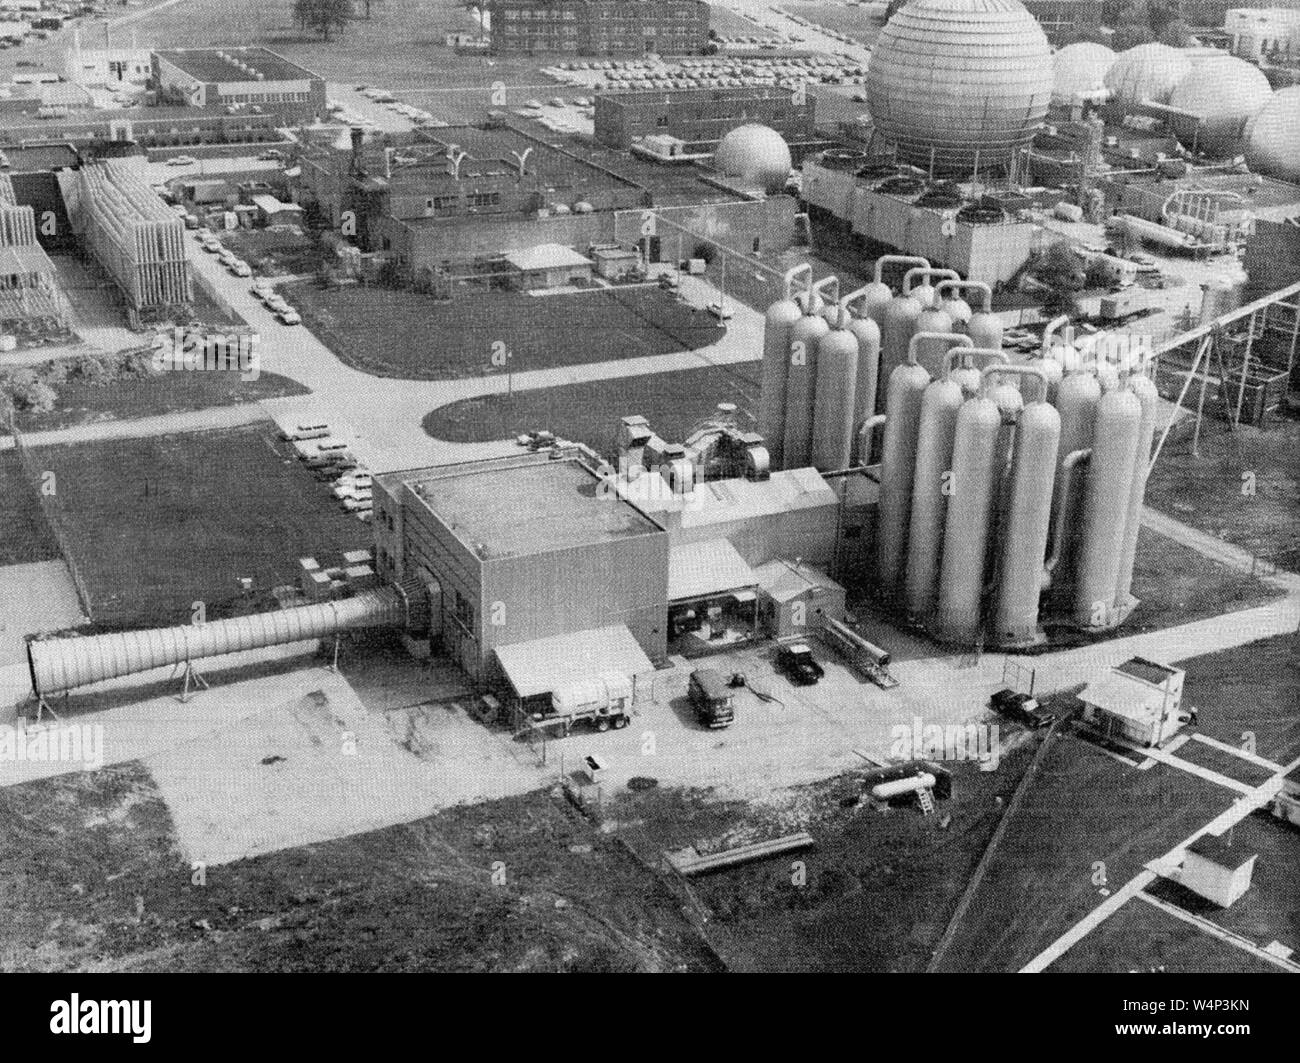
x=966, y=523
x=1224, y=93
x=868, y=382
x=884, y=791
x=781, y=316
x=876, y=295
x=1273, y=136
x=1051, y=370
x=835, y=408
x=985, y=329
x=931, y=350
x=1076, y=401
x=1144, y=388
x=958, y=310
x=1110, y=483
x=950, y=80
x=938, y=428
x=1147, y=72
x=896, y=333
x=800, y=391
x=1107, y=376
x=907, y=384
x=1080, y=70
x=1026, y=524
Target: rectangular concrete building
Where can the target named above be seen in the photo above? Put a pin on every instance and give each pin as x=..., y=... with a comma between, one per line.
x=599, y=27
x=224, y=77
x=700, y=117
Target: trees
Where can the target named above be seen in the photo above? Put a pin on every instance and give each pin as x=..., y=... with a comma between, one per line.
x=322, y=16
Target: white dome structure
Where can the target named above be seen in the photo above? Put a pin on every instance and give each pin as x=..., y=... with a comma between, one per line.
x=1080, y=69
x=1273, y=136
x=950, y=80
x=757, y=155
x=1147, y=72
x=1224, y=93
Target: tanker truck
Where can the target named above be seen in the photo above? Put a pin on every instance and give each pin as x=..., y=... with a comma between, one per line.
x=604, y=701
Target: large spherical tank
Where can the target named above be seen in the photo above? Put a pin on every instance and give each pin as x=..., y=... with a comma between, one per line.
x=907, y=385
x=1147, y=72
x=1080, y=69
x=835, y=407
x=1110, y=482
x=930, y=352
x=864, y=393
x=757, y=155
x=800, y=389
x=1144, y=388
x=1224, y=93
x=781, y=315
x=950, y=78
x=966, y=523
x=939, y=406
x=896, y=332
x=1024, y=541
x=1273, y=136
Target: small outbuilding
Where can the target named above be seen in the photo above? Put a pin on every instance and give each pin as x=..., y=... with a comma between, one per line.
x=1217, y=871
x=273, y=211
x=795, y=598
x=1140, y=701
x=548, y=266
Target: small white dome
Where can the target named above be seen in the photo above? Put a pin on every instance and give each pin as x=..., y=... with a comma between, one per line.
x=755, y=154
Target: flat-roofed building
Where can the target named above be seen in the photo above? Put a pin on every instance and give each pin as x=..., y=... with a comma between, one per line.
x=599, y=27
x=699, y=118
x=237, y=77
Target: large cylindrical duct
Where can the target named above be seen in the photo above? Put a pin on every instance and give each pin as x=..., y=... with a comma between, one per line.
x=907, y=384
x=1110, y=483
x=62, y=664
x=800, y=392
x=973, y=489
x=835, y=407
x=1145, y=390
x=1027, y=521
x=780, y=317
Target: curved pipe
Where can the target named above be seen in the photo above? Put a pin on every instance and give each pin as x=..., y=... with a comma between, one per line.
x=927, y=271
x=1058, y=533
x=1052, y=326
x=1013, y=370
x=827, y=282
x=972, y=353
x=62, y=664
x=794, y=272
x=864, y=437
x=919, y=336
x=971, y=286
x=896, y=260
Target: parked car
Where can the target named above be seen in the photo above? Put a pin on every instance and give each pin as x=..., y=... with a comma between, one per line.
x=182, y=160
x=239, y=268
x=212, y=245
x=1020, y=707
x=288, y=317
x=359, y=503
x=275, y=303
x=722, y=313
x=797, y=663
x=271, y=155
x=261, y=290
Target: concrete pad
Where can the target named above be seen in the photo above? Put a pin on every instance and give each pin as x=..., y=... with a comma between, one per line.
x=39, y=596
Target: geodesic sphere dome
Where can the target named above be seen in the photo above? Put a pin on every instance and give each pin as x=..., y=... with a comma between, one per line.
x=1080, y=68
x=1225, y=93
x=1147, y=72
x=950, y=78
x=1273, y=136
x=755, y=154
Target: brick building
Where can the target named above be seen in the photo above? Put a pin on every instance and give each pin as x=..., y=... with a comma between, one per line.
x=599, y=27
x=700, y=117
x=237, y=77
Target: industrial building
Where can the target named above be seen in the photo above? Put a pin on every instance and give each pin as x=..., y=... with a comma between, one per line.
x=598, y=27
x=31, y=302
x=237, y=77
x=136, y=237
x=699, y=118
x=1140, y=701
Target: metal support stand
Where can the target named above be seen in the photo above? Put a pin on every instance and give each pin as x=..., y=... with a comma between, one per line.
x=192, y=675
x=334, y=662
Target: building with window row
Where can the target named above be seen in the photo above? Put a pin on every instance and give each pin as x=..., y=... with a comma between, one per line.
x=599, y=27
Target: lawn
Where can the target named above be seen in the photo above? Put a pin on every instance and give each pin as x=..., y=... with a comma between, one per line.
x=24, y=534
x=156, y=524
x=1244, y=487
x=173, y=392
x=274, y=251
x=399, y=333
x=589, y=412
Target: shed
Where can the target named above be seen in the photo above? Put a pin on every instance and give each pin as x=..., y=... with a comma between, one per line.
x=613, y=262
x=712, y=591
x=1217, y=871
x=272, y=211
x=548, y=266
x=534, y=670
x=795, y=598
x=1138, y=701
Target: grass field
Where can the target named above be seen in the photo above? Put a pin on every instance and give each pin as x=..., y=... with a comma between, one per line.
x=1211, y=492
x=405, y=334
x=271, y=252
x=156, y=524
x=91, y=877
x=589, y=412
x=173, y=392
x=24, y=535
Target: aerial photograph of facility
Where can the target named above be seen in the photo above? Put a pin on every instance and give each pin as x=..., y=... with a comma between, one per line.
x=630, y=486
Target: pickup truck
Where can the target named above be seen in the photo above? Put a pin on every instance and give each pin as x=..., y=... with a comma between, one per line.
x=797, y=663
x=1022, y=708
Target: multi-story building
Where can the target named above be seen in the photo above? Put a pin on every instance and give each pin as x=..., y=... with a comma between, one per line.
x=599, y=27
x=237, y=77
x=700, y=117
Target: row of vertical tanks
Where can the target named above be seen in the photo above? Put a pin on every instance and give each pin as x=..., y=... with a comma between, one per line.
x=1000, y=484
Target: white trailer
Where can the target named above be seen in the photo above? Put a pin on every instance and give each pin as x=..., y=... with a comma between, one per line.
x=604, y=701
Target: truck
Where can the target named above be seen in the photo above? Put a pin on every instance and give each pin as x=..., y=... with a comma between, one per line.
x=711, y=698
x=603, y=701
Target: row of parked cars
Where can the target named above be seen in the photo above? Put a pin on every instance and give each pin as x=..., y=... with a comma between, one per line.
x=333, y=461
x=275, y=302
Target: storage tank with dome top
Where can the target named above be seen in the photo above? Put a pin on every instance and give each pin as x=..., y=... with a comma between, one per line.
x=755, y=154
